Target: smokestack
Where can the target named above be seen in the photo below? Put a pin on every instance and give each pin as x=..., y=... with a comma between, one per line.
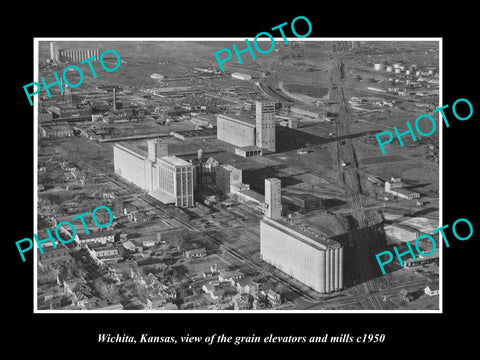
x=114, y=100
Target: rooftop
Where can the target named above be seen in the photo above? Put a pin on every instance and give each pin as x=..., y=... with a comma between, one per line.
x=162, y=196
x=302, y=232
x=97, y=234
x=243, y=119
x=404, y=191
x=56, y=127
x=250, y=148
x=254, y=195
x=175, y=161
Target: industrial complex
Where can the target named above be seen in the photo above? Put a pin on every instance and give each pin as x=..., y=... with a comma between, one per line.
x=259, y=187
x=166, y=178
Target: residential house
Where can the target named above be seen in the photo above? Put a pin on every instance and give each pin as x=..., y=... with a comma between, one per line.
x=247, y=286
x=130, y=209
x=196, y=253
x=137, y=217
x=230, y=276
x=432, y=290
x=242, y=301
x=211, y=289
x=274, y=298
x=132, y=246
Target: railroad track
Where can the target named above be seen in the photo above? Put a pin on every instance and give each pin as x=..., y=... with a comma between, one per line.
x=345, y=149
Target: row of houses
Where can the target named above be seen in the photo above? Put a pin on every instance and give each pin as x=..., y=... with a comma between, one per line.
x=248, y=291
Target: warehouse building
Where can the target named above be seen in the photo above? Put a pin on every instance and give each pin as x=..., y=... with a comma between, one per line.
x=241, y=76
x=396, y=189
x=168, y=179
x=65, y=112
x=53, y=131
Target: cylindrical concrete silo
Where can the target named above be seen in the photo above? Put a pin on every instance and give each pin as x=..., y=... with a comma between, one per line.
x=321, y=275
x=340, y=268
x=337, y=286
x=332, y=269
x=327, y=271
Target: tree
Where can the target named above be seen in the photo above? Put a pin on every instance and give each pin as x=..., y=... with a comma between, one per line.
x=106, y=290
x=47, y=276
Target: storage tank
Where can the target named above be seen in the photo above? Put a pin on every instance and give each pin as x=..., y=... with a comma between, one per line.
x=337, y=274
x=328, y=267
x=378, y=66
x=389, y=68
x=396, y=65
x=408, y=71
x=340, y=268
x=332, y=270
x=418, y=73
x=322, y=272
x=397, y=71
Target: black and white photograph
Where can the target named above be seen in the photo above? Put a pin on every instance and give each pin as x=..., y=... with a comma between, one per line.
x=221, y=179
x=260, y=187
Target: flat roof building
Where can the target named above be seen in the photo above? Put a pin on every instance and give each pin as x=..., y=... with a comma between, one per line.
x=51, y=131
x=98, y=237
x=64, y=112
x=242, y=131
x=315, y=261
x=395, y=188
x=241, y=76
x=236, y=130
x=226, y=176
x=168, y=179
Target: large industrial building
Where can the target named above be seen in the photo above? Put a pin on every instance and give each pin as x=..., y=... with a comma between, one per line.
x=396, y=189
x=226, y=176
x=244, y=132
x=236, y=130
x=78, y=55
x=315, y=261
x=168, y=179
x=309, y=256
x=64, y=112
